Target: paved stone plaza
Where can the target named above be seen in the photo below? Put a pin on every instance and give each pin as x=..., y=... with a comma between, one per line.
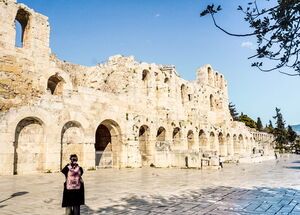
x=271, y=187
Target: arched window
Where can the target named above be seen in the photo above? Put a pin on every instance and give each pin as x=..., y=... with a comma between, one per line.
x=183, y=93
x=161, y=134
x=145, y=79
x=216, y=80
x=211, y=102
x=21, y=26
x=212, y=141
x=202, y=141
x=55, y=85
x=209, y=75
x=221, y=83
x=176, y=136
x=190, y=139
x=145, y=75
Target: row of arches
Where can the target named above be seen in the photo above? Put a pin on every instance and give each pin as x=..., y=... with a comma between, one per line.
x=214, y=79
x=30, y=143
x=225, y=145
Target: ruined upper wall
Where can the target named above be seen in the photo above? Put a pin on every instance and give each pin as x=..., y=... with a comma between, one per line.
x=23, y=58
x=35, y=29
x=28, y=72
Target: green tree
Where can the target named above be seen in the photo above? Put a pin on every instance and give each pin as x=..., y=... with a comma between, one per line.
x=247, y=120
x=270, y=124
x=233, y=112
x=277, y=32
x=280, y=131
x=269, y=128
x=259, y=125
x=291, y=134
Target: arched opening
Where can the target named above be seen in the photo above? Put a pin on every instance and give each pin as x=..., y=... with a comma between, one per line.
x=211, y=102
x=161, y=134
x=167, y=87
x=202, y=141
x=241, y=143
x=210, y=76
x=183, y=89
x=221, y=83
x=72, y=137
x=146, y=79
x=19, y=34
x=222, y=146
x=29, y=146
x=176, y=136
x=166, y=80
x=145, y=147
x=190, y=139
x=247, y=145
x=212, y=141
x=235, y=144
x=55, y=85
x=107, y=144
x=21, y=27
x=145, y=75
x=216, y=80
x=229, y=145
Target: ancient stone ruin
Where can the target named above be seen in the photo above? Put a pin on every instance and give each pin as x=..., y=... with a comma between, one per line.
x=122, y=113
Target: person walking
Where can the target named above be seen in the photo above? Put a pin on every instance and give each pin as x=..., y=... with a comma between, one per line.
x=73, y=194
x=221, y=161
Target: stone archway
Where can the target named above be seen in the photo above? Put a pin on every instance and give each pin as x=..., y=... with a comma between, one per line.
x=229, y=145
x=212, y=141
x=222, y=145
x=190, y=139
x=144, y=145
x=29, y=146
x=235, y=144
x=108, y=143
x=56, y=85
x=176, y=137
x=203, y=146
x=72, y=137
x=241, y=143
x=161, y=134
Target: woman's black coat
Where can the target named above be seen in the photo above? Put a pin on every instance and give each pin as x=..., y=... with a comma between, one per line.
x=72, y=197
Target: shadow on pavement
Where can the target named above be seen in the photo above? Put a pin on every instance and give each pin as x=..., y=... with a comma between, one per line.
x=15, y=195
x=216, y=200
x=293, y=167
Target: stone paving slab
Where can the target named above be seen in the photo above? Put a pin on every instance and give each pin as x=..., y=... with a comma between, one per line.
x=271, y=187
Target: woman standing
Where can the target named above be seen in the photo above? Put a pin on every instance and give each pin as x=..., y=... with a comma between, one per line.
x=73, y=195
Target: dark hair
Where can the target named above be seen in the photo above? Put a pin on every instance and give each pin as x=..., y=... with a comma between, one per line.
x=73, y=156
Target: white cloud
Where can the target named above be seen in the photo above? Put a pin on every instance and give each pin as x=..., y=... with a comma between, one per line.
x=247, y=44
x=157, y=15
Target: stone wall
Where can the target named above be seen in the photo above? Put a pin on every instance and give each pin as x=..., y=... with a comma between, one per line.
x=122, y=113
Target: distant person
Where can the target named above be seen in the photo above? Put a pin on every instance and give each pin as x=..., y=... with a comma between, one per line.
x=73, y=195
x=276, y=156
x=221, y=161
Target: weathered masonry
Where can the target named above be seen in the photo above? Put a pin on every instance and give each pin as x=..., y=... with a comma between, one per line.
x=121, y=113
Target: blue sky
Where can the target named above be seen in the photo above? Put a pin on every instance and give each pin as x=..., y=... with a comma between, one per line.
x=170, y=32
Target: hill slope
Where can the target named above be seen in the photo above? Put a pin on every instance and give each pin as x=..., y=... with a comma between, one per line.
x=296, y=128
